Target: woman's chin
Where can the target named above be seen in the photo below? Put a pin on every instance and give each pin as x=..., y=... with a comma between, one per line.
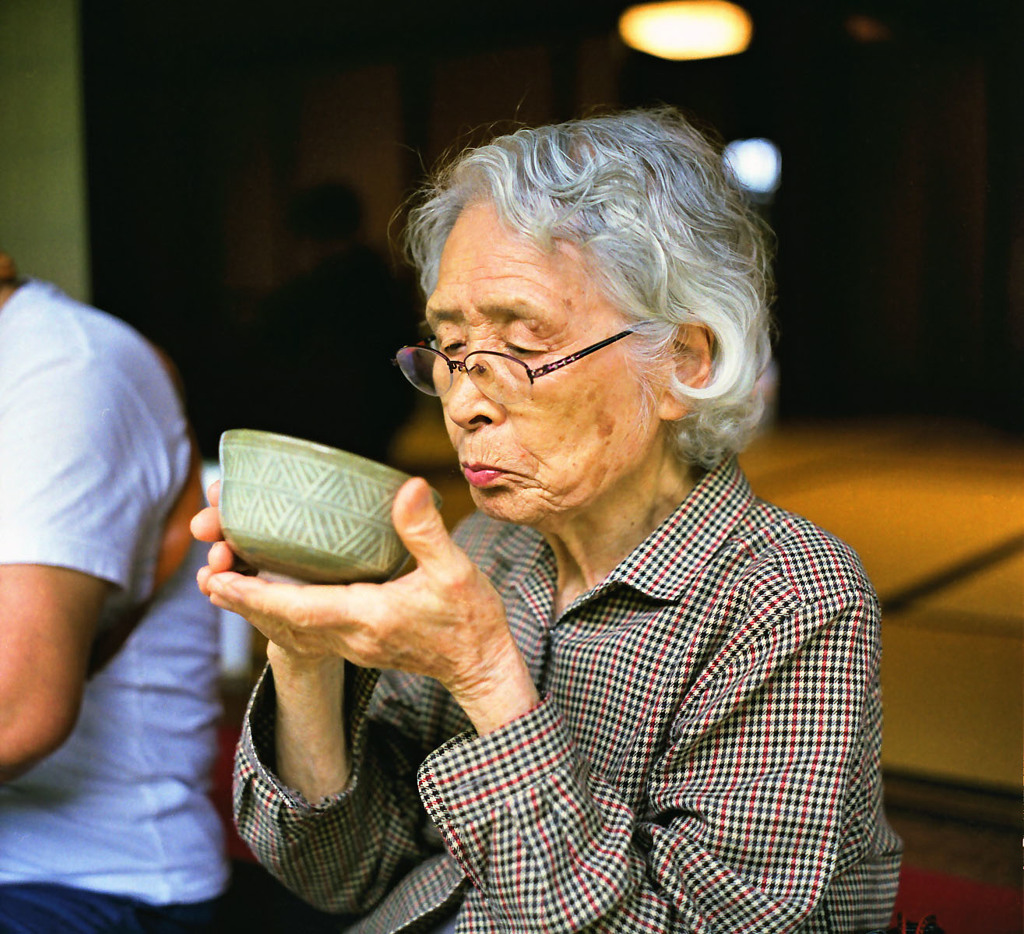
x=506, y=505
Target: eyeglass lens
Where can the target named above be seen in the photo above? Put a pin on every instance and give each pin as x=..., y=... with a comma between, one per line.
x=496, y=376
x=426, y=370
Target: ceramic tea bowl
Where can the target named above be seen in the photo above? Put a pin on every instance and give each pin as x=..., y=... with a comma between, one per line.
x=307, y=511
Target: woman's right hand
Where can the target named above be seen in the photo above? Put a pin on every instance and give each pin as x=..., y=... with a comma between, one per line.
x=205, y=527
x=311, y=751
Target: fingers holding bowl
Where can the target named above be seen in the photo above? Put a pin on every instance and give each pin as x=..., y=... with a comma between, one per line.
x=205, y=525
x=219, y=559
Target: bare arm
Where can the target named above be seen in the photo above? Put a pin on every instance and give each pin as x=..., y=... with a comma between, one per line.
x=48, y=619
x=312, y=753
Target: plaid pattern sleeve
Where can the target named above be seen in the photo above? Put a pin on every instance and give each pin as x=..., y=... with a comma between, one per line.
x=706, y=755
x=350, y=851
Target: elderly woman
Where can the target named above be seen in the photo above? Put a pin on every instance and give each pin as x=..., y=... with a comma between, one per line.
x=626, y=695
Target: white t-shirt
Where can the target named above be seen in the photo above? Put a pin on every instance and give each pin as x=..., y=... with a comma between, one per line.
x=93, y=450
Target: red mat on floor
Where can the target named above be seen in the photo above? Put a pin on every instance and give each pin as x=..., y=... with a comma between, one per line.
x=960, y=906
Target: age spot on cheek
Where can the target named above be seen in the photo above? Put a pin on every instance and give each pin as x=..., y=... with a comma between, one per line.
x=605, y=424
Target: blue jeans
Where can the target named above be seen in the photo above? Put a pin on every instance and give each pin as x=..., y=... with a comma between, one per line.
x=38, y=908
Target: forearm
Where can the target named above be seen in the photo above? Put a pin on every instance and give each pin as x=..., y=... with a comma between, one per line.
x=311, y=748
x=372, y=829
x=549, y=845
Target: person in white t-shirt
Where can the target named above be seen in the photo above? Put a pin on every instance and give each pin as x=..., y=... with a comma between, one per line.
x=105, y=818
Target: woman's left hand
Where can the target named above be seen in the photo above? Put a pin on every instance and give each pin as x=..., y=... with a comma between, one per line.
x=443, y=619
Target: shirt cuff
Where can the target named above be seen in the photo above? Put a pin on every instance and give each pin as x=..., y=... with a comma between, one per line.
x=466, y=780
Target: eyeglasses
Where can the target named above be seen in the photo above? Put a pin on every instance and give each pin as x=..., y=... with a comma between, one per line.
x=502, y=378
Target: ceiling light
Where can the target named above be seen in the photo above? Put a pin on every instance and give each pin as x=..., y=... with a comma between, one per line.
x=686, y=29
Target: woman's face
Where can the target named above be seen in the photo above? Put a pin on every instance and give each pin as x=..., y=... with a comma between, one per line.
x=586, y=442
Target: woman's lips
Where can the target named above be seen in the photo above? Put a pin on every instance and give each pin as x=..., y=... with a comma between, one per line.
x=480, y=475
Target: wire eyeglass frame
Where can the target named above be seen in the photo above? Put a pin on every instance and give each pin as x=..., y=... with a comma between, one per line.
x=407, y=356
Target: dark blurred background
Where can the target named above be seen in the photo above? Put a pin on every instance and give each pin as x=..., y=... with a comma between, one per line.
x=899, y=216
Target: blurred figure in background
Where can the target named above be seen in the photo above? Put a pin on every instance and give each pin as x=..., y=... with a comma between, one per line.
x=317, y=365
x=108, y=690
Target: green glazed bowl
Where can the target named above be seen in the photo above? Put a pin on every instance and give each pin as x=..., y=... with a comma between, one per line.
x=308, y=511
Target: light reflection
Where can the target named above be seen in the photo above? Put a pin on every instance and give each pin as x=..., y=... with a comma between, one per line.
x=687, y=29
x=756, y=163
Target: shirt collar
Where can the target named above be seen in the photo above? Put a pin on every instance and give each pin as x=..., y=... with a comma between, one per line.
x=660, y=566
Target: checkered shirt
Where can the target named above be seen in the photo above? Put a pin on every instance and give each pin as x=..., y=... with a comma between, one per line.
x=705, y=757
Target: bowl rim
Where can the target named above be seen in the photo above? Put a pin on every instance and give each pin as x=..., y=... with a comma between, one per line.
x=256, y=437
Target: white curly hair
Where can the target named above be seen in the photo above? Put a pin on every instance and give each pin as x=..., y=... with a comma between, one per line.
x=663, y=227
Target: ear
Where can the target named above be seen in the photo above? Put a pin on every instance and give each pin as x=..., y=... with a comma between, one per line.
x=692, y=352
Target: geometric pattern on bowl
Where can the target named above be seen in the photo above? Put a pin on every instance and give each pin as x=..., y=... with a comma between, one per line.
x=307, y=510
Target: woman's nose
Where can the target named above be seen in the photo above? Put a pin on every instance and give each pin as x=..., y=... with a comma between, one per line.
x=467, y=406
